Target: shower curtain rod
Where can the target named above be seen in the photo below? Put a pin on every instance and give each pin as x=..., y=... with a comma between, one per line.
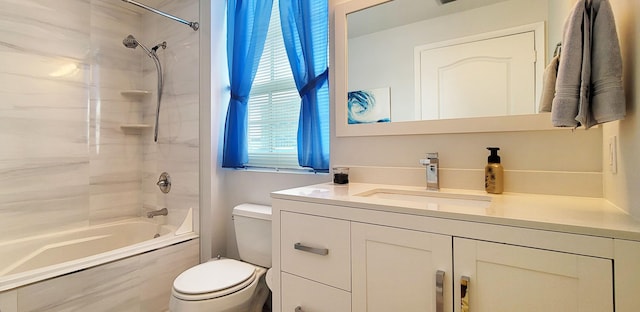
x=194, y=25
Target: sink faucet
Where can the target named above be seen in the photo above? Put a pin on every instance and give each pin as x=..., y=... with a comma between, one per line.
x=159, y=212
x=432, y=164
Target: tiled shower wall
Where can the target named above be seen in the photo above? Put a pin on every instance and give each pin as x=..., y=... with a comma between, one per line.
x=64, y=160
x=177, y=149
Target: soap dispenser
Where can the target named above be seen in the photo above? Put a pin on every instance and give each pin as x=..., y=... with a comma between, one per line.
x=494, y=173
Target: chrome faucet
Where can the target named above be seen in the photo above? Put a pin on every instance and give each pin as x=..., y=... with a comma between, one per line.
x=159, y=212
x=433, y=168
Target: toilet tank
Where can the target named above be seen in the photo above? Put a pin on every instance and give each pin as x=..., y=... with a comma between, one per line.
x=253, y=233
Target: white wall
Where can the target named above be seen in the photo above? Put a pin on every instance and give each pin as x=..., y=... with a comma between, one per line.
x=623, y=188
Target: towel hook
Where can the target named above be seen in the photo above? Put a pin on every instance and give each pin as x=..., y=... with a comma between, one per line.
x=558, y=49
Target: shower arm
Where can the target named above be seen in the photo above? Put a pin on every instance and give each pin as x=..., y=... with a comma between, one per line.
x=193, y=25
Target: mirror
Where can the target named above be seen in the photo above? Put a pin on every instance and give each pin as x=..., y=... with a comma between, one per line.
x=379, y=46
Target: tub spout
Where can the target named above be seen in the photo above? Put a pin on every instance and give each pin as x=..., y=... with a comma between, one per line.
x=159, y=212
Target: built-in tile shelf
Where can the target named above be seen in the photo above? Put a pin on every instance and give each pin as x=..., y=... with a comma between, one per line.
x=135, y=94
x=134, y=128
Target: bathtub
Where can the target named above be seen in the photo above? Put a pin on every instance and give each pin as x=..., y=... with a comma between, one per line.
x=32, y=259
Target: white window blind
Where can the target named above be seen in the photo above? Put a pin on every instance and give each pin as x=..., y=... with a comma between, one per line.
x=274, y=105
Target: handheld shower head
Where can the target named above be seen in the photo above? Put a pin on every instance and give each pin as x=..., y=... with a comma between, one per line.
x=130, y=42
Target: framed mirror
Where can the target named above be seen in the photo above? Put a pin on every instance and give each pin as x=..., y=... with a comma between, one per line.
x=393, y=46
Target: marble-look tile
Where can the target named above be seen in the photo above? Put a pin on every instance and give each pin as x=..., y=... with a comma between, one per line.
x=65, y=160
x=42, y=195
x=177, y=149
x=40, y=27
x=141, y=283
x=103, y=288
x=115, y=156
x=9, y=301
x=159, y=269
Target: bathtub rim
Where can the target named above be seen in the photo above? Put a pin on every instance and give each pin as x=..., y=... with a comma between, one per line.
x=13, y=281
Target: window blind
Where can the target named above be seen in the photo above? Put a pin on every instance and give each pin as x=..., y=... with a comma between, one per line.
x=274, y=105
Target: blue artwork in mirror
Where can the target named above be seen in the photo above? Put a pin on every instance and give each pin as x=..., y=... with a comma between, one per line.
x=369, y=106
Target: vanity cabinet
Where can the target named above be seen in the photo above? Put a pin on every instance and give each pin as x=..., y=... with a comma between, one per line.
x=339, y=258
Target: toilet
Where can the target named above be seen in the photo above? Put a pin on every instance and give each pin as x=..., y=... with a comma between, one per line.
x=228, y=285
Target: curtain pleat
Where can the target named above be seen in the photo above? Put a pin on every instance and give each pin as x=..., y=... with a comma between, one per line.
x=247, y=26
x=305, y=31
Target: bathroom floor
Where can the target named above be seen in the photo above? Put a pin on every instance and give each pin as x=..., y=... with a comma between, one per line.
x=267, y=305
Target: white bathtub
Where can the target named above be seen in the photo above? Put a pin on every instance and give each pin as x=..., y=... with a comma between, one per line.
x=32, y=259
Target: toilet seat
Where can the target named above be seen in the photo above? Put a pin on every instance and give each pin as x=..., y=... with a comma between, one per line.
x=213, y=279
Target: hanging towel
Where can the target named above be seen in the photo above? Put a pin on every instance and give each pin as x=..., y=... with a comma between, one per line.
x=549, y=85
x=589, y=83
x=607, y=95
x=565, y=103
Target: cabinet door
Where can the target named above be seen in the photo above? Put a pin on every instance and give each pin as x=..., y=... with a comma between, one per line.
x=397, y=270
x=512, y=278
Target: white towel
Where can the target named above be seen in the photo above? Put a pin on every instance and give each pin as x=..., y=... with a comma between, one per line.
x=589, y=83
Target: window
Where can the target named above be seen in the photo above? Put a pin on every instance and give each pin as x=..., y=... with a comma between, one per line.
x=267, y=123
x=274, y=105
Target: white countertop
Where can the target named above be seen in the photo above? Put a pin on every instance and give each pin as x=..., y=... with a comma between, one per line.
x=577, y=215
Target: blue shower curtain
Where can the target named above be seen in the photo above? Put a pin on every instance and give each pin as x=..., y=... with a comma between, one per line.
x=247, y=26
x=305, y=31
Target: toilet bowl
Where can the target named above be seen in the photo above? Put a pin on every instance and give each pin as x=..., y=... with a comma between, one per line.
x=238, y=286
x=269, y=279
x=228, y=285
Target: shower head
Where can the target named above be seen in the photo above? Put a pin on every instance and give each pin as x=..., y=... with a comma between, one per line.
x=130, y=42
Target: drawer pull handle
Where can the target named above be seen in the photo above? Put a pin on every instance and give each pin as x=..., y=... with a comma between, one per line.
x=317, y=251
x=298, y=309
x=464, y=293
x=440, y=291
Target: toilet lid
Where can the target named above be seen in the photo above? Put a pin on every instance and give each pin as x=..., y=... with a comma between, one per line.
x=213, y=276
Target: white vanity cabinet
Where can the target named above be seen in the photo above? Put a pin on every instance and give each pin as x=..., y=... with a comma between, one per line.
x=363, y=256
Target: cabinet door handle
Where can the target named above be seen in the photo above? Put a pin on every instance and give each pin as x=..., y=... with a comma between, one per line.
x=465, y=282
x=440, y=291
x=317, y=251
x=298, y=309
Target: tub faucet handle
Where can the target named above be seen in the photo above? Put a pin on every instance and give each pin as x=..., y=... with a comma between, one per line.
x=164, y=182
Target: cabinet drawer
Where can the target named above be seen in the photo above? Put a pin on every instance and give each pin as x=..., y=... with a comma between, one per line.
x=312, y=296
x=316, y=248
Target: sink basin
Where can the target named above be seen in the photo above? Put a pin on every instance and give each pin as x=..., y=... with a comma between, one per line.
x=432, y=199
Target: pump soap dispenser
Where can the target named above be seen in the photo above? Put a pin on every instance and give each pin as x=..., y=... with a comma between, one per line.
x=494, y=173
